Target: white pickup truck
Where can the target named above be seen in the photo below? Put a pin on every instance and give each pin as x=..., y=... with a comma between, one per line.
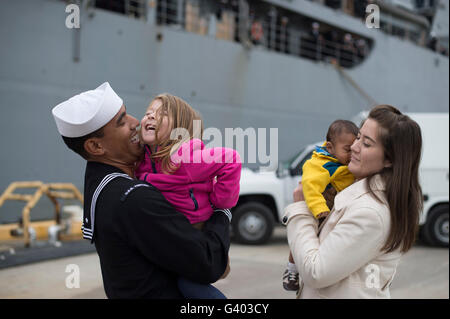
x=263, y=195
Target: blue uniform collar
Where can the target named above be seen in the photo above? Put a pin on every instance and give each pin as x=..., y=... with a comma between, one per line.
x=322, y=150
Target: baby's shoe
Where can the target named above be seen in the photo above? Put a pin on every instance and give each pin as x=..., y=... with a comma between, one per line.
x=290, y=278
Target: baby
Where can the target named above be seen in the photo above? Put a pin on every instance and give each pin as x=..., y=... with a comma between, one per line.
x=323, y=175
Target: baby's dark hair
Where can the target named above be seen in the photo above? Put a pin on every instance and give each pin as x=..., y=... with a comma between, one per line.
x=338, y=127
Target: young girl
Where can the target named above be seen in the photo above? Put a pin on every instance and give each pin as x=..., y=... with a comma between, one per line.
x=195, y=180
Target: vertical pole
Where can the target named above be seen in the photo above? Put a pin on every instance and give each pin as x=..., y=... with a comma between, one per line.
x=180, y=12
x=273, y=28
x=127, y=7
x=151, y=12
x=163, y=11
x=77, y=38
x=243, y=21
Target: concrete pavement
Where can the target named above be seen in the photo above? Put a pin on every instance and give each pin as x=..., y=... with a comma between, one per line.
x=256, y=273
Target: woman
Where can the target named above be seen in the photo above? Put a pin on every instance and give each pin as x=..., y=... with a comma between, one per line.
x=373, y=222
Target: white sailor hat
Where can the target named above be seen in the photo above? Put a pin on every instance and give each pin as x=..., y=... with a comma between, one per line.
x=85, y=113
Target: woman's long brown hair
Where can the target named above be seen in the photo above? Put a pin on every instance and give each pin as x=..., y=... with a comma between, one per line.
x=402, y=142
x=181, y=115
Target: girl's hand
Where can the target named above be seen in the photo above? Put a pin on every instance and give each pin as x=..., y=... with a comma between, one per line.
x=298, y=193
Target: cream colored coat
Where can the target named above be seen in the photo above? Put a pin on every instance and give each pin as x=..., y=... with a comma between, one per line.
x=345, y=260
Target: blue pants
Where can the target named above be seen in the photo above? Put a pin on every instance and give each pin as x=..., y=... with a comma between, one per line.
x=193, y=290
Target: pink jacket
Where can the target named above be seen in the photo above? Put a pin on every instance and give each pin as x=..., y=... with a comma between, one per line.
x=192, y=188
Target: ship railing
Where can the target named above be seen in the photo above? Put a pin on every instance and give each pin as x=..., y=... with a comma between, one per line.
x=168, y=13
x=275, y=35
x=232, y=24
x=293, y=41
x=136, y=8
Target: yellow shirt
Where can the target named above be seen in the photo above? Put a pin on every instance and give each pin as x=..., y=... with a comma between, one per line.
x=319, y=172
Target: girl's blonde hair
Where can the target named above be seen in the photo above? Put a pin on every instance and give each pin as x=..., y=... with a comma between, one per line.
x=181, y=116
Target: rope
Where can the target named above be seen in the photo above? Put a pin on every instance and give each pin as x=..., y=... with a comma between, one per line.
x=353, y=83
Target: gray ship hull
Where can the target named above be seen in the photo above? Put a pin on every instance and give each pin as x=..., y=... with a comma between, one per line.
x=230, y=85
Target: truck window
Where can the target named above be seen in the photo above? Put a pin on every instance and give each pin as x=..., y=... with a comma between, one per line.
x=298, y=170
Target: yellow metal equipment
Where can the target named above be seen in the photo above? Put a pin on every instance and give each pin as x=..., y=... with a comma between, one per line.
x=53, y=191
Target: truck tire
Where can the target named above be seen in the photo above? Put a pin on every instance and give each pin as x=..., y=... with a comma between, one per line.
x=252, y=223
x=435, y=230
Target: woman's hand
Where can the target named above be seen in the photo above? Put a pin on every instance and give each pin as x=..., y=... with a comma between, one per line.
x=298, y=193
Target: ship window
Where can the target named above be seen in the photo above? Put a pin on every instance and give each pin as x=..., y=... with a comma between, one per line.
x=398, y=32
x=335, y=4
x=131, y=8
x=298, y=169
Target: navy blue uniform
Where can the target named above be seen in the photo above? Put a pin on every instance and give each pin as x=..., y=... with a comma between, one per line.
x=142, y=242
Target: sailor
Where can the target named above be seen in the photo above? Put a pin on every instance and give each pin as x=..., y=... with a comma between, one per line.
x=142, y=242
